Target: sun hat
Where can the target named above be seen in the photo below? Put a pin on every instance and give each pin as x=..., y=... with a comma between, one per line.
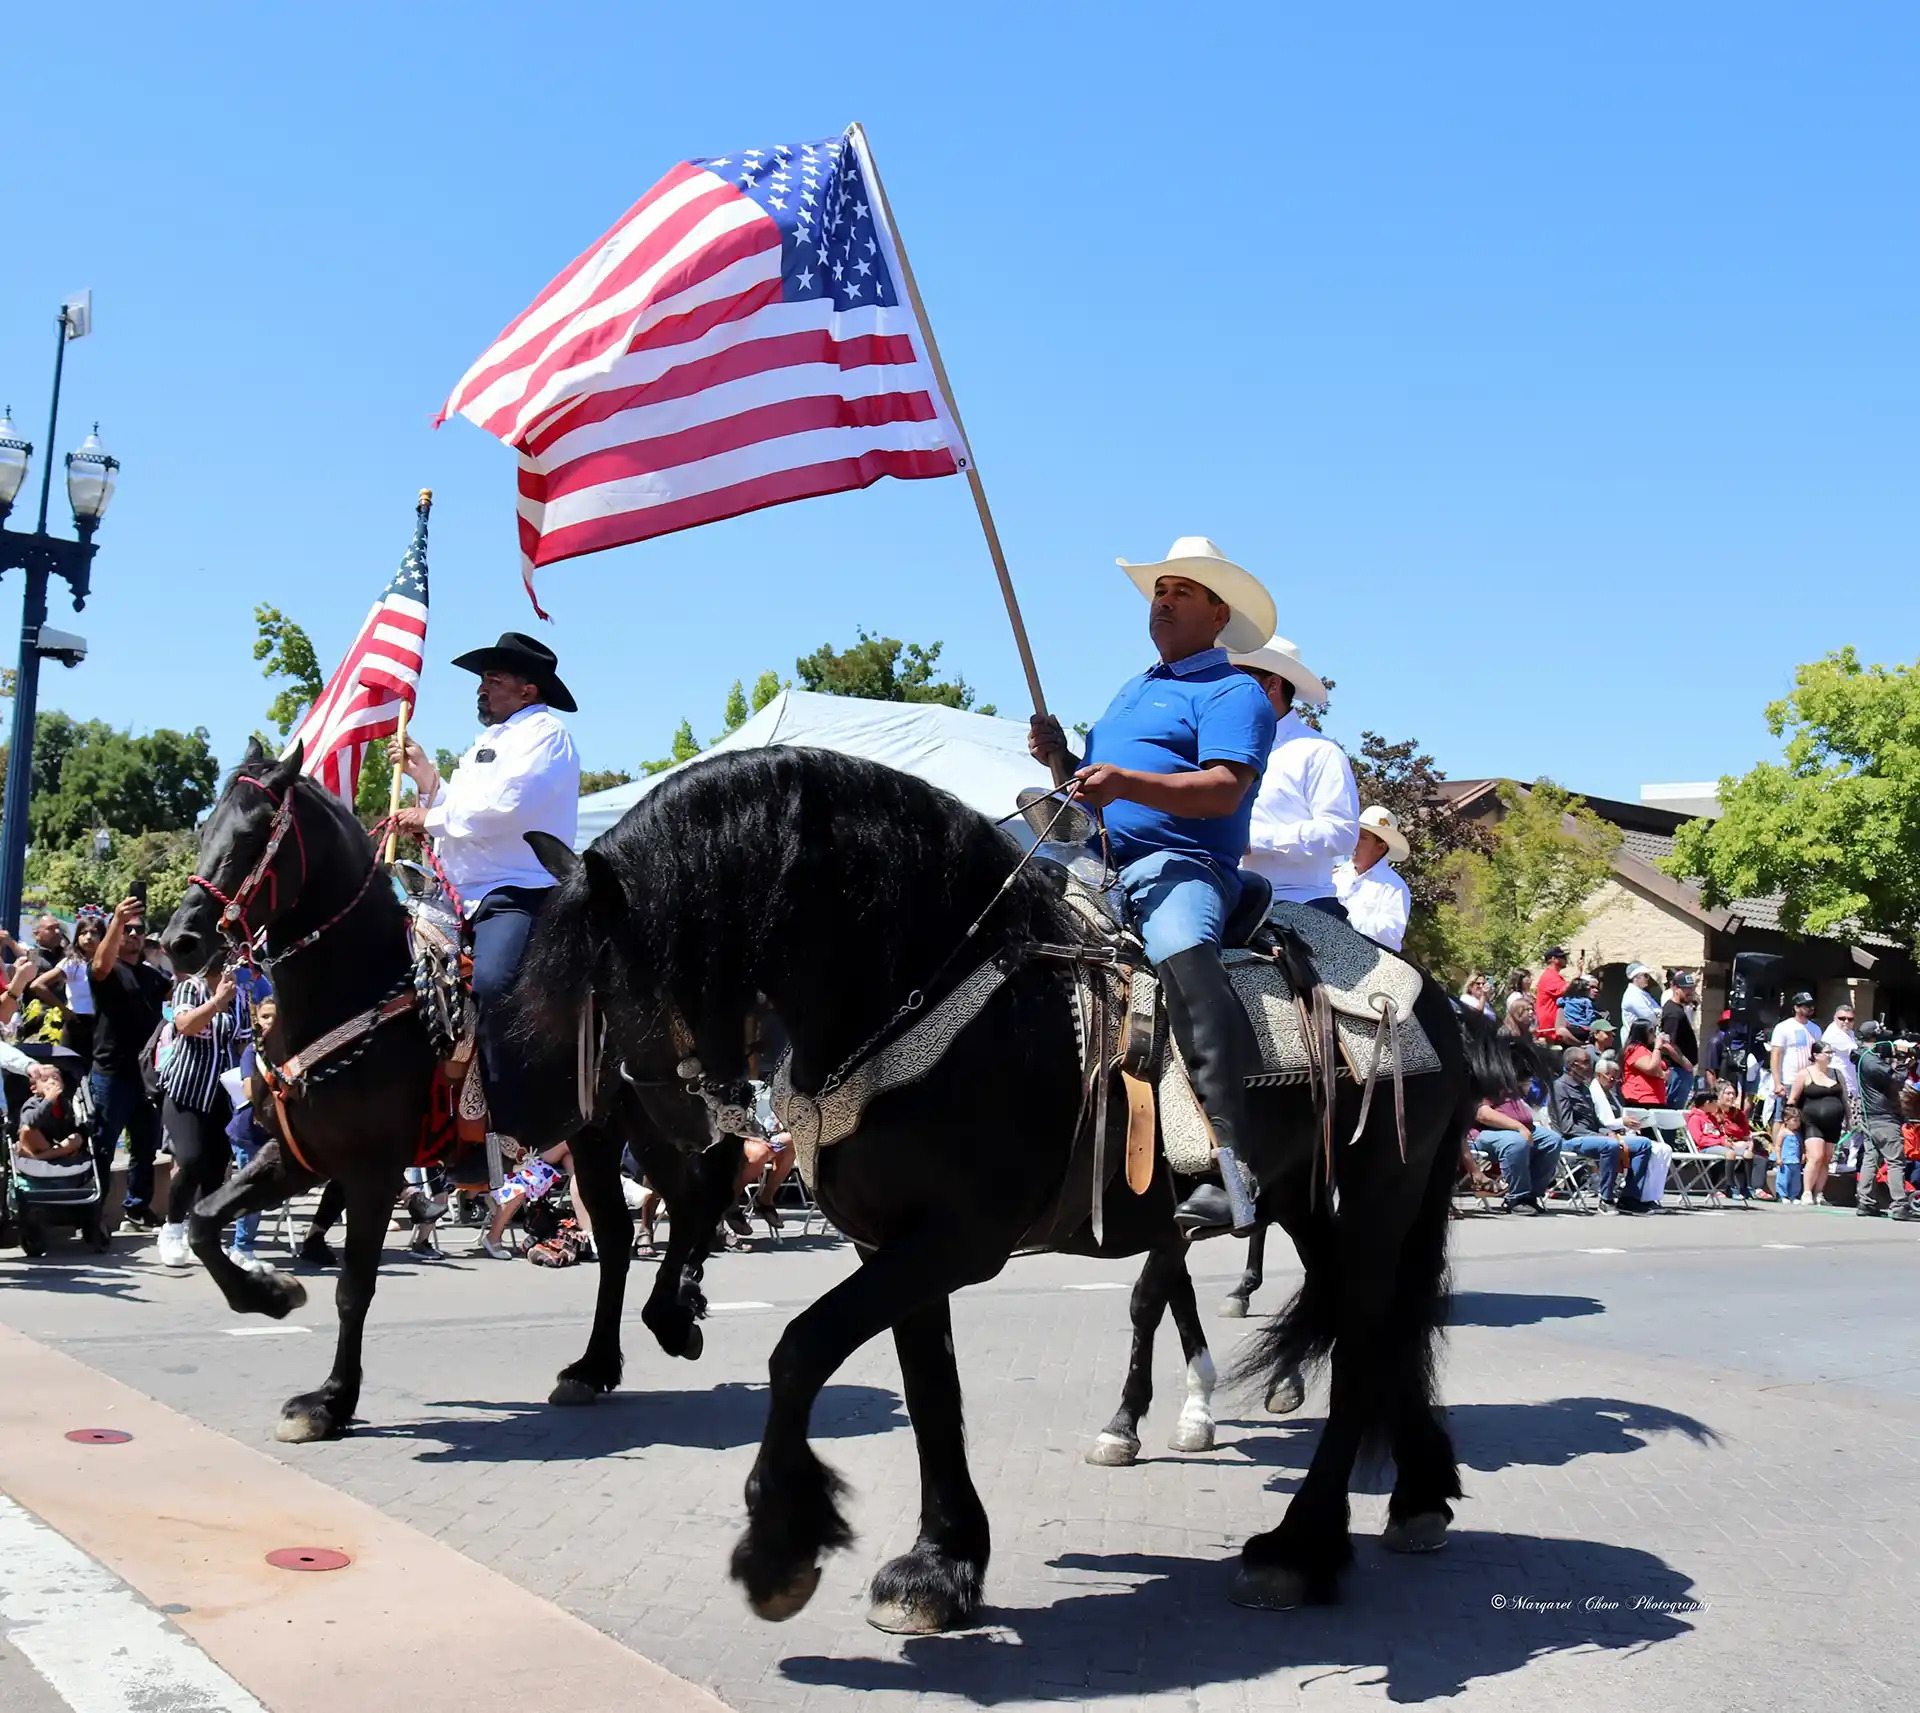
x=525, y=657
x=1282, y=658
x=1200, y=561
x=1635, y=971
x=1384, y=824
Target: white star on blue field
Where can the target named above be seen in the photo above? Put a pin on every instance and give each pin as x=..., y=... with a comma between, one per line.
x=816, y=196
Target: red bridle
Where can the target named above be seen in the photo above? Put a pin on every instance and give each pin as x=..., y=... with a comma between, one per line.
x=233, y=914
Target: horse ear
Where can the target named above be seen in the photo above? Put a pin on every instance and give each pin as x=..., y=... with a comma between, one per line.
x=556, y=855
x=289, y=768
x=606, y=897
x=255, y=754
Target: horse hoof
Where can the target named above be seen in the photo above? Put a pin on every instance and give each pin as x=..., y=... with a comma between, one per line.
x=1232, y=1308
x=696, y=1342
x=900, y=1618
x=1288, y=1394
x=784, y=1602
x=1426, y=1531
x=1191, y=1436
x=1110, y=1451
x=1267, y=1588
x=302, y=1427
x=573, y=1392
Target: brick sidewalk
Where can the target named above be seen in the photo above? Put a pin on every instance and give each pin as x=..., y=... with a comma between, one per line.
x=1674, y=1477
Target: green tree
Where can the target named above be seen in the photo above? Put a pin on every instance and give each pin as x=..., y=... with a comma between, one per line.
x=603, y=779
x=374, y=793
x=1531, y=890
x=65, y=877
x=90, y=775
x=765, y=688
x=1400, y=777
x=736, y=713
x=288, y=654
x=685, y=748
x=875, y=669
x=1833, y=827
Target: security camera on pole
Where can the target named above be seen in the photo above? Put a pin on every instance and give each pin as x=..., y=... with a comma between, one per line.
x=91, y=474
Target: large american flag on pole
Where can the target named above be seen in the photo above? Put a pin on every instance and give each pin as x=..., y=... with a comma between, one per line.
x=738, y=339
x=362, y=700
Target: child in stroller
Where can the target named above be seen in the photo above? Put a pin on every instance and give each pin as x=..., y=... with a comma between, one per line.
x=53, y=1177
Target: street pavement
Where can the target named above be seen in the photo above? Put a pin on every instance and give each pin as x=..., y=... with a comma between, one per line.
x=1689, y=1446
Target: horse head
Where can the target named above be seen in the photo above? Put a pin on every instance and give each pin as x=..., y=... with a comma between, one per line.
x=253, y=863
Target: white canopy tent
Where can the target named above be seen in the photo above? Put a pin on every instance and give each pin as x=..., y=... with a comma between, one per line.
x=982, y=760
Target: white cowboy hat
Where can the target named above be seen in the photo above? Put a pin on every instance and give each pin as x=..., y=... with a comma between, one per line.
x=1279, y=656
x=1197, y=559
x=1384, y=824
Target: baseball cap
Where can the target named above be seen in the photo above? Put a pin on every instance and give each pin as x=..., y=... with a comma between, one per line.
x=1803, y=998
x=1556, y=951
x=1870, y=1030
x=1607, y=1024
x=1637, y=969
x=1682, y=978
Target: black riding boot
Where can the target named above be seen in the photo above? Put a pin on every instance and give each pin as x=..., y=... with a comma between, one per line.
x=1221, y=1051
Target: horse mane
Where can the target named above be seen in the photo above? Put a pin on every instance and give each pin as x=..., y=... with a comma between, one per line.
x=827, y=881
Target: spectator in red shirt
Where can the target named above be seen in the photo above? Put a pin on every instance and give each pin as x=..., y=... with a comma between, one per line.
x=1720, y=1131
x=1547, y=989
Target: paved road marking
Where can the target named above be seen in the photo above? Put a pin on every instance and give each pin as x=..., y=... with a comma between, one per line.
x=101, y=1647
x=1101, y=1285
x=737, y=1308
x=265, y=1331
x=1603, y=1251
x=1783, y=1246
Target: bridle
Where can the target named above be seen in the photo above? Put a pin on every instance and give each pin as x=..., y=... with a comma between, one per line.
x=233, y=912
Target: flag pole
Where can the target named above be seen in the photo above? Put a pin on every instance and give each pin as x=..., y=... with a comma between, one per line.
x=973, y=467
x=400, y=732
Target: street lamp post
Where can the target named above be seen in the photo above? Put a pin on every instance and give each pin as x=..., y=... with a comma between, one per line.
x=90, y=479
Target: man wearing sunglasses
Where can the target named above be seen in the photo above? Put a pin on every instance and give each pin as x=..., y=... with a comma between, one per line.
x=128, y=994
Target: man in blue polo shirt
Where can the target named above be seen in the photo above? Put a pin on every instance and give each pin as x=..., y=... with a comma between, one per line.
x=1174, y=762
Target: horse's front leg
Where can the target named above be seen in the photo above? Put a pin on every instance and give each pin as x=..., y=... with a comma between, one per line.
x=792, y=1497
x=938, y=1584
x=676, y=1304
x=1117, y=1446
x=1233, y=1306
x=326, y=1413
x=264, y=1182
x=596, y=1181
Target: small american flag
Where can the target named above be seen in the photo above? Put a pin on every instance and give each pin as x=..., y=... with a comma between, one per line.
x=361, y=702
x=737, y=340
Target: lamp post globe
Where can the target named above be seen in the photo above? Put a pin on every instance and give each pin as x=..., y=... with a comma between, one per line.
x=16, y=454
x=91, y=474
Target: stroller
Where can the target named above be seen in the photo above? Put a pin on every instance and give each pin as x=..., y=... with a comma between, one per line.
x=42, y=1195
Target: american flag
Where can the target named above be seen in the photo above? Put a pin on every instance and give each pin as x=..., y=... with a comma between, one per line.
x=738, y=339
x=361, y=702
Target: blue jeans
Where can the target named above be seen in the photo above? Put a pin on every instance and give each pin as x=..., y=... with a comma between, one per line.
x=1679, y=1088
x=121, y=1103
x=1528, y=1164
x=1604, y=1152
x=1176, y=901
x=247, y=1227
x=528, y=1083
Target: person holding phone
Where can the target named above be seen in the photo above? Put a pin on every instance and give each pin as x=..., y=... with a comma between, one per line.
x=128, y=996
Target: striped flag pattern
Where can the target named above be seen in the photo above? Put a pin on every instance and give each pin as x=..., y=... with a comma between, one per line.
x=737, y=340
x=361, y=702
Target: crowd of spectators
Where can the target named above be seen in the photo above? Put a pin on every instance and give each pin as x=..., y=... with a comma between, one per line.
x=1800, y=1115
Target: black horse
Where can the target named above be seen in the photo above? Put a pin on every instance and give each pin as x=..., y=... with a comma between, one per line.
x=838, y=894
x=284, y=865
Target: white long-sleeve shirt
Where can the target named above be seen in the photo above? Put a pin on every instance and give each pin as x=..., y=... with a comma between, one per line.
x=1378, y=902
x=1306, y=813
x=521, y=776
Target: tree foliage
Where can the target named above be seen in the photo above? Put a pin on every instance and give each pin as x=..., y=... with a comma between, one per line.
x=87, y=774
x=1401, y=777
x=64, y=877
x=1834, y=826
x=874, y=668
x=288, y=653
x=1531, y=889
x=603, y=779
x=685, y=748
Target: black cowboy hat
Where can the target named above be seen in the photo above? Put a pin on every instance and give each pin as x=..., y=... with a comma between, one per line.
x=525, y=658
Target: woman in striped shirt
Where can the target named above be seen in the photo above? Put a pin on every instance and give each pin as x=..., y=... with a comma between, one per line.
x=209, y=1029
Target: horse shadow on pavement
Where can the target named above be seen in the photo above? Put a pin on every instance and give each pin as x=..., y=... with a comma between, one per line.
x=1517, y=1308
x=1486, y=1437
x=727, y=1416
x=1421, y=1629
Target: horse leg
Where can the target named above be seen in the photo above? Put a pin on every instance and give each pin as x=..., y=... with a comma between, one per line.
x=937, y=1585
x=1233, y=1306
x=1118, y=1443
x=596, y=1181
x=325, y=1413
x=793, y=1515
x=263, y=1183
x=1194, y=1430
x=676, y=1304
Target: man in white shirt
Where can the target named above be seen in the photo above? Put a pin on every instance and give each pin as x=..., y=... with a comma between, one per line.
x=1376, y=898
x=1639, y=1004
x=1789, y=1048
x=1845, y=1045
x=520, y=775
x=1306, y=813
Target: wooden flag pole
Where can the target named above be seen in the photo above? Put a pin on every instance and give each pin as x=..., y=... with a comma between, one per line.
x=980, y=505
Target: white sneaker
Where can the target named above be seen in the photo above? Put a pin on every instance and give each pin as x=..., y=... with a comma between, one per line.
x=490, y=1245
x=247, y=1259
x=171, y=1246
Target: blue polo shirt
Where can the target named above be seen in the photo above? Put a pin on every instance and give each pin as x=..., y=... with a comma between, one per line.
x=1177, y=719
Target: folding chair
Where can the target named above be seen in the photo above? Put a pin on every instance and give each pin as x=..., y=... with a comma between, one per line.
x=1689, y=1171
x=1570, y=1181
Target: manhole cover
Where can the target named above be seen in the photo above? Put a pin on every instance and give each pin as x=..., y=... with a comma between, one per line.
x=99, y=1436
x=308, y=1558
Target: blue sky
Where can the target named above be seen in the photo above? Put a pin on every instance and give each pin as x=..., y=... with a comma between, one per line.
x=1555, y=366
